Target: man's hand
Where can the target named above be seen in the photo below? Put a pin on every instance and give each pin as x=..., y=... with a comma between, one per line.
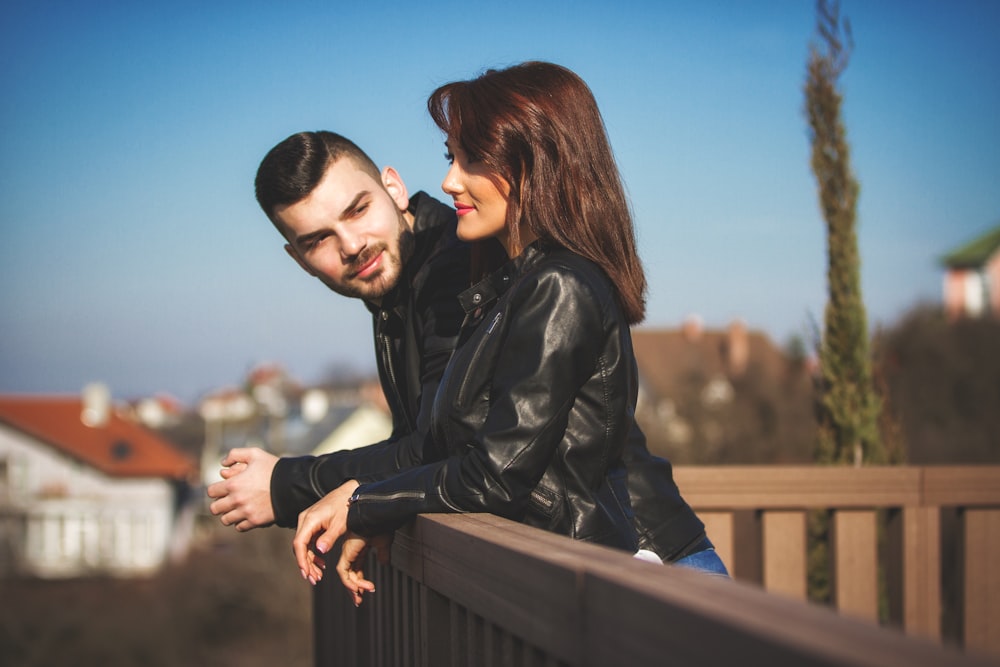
x=324, y=522
x=243, y=497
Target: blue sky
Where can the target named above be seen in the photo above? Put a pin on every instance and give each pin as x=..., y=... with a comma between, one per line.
x=132, y=251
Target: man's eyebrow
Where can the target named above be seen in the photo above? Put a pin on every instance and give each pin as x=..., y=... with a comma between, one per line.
x=354, y=203
x=304, y=239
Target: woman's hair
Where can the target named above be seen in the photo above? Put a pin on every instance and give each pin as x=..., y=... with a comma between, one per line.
x=537, y=127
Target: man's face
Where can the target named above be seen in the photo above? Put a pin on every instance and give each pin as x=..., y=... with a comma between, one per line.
x=352, y=231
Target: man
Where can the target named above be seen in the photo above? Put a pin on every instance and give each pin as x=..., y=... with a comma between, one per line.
x=355, y=229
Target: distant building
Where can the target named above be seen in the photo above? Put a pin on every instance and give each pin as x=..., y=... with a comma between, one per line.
x=311, y=421
x=722, y=395
x=972, y=277
x=85, y=491
x=347, y=420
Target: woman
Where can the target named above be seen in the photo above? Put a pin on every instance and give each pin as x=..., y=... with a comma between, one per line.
x=537, y=402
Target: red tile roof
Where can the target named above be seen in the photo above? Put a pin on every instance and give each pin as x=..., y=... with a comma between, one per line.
x=120, y=448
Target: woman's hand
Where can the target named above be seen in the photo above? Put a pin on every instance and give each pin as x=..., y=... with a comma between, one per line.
x=352, y=556
x=324, y=522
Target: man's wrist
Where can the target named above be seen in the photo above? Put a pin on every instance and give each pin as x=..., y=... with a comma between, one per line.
x=291, y=491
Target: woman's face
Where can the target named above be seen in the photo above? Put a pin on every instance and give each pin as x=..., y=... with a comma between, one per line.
x=481, y=206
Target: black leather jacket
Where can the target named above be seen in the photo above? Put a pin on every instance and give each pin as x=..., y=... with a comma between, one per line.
x=415, y=330
x=413, y=341
x=533, y=411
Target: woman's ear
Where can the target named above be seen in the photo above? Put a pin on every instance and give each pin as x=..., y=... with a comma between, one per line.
x=396, y=188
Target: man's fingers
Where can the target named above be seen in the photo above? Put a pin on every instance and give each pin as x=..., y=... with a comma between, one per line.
x=245, y=525
x=227, y=473
x=221, y=506
x=237, y=455
x=233, y=518
x=217, y=490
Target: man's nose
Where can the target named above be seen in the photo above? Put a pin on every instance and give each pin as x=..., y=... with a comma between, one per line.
x=352, y=243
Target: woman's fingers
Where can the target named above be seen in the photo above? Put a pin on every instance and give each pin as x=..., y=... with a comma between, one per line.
x=352, y=555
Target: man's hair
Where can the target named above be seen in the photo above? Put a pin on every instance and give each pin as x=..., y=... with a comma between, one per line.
x=291, y=170
x=536, y=126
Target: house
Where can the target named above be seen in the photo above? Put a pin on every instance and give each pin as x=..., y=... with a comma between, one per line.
x=972, y=277
x=722, y=395
x=86, y=491
x=312, y=421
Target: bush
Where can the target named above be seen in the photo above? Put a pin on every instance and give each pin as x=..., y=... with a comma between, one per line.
x=237, y=600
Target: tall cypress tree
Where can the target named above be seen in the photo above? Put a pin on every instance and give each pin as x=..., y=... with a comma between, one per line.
x=848, y=405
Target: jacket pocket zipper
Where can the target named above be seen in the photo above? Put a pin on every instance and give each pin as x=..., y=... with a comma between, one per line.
x=460, y=397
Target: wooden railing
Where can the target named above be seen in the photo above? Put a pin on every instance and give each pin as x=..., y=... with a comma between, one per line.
x=479, y=590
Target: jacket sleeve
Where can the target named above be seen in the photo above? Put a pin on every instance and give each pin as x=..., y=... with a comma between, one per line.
x=662, y=518
x=298, y=482
x=550, y=346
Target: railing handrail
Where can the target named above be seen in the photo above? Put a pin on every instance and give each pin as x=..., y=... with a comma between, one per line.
x=820, y=487
x=458, y=581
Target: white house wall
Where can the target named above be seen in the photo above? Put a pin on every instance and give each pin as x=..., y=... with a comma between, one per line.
x=68, y=519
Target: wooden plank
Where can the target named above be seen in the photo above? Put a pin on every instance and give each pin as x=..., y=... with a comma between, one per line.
x=719, y=528
x=982, y=580
x=965, y=486
x=526, y=589
x=563, y=596
x=629, y=612
x=855, y=559
x=459, y=636
x=436, y=635
x=642, y=616
x=798, y=487
x=784, y=552
x=921, y=566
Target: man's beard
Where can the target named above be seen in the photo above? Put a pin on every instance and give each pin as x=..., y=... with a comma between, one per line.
x=386, y=277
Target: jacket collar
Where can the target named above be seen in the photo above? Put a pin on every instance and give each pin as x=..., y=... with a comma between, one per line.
x=484, y=293
x=431, y=220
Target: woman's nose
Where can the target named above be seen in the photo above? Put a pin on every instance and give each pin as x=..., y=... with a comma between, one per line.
x=451, y=184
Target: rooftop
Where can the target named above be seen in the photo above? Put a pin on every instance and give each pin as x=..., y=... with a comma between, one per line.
x=975, y=253
x=116, y=446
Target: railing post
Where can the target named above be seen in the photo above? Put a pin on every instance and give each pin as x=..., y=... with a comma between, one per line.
x=921, y=571
x=855, y=558
x=481, y=590
x=785, y=553
x=437, y=623
x=720, y=529
x=982, y=580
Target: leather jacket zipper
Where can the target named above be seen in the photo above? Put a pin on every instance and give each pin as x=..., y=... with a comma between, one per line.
x=386, y=350
x=386, y=497
x=460, y=397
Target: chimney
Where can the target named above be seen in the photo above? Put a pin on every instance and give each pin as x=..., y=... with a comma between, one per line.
x=96, y=405
x=692, y=328
x=737, y=348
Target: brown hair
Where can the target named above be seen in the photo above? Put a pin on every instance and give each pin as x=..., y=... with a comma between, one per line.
x=537, y=127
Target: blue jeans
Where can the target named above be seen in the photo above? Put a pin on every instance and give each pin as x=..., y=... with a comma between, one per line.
x=705, y=561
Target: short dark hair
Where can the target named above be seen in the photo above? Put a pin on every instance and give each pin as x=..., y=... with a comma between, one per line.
x=291, y=170
x=537, y=127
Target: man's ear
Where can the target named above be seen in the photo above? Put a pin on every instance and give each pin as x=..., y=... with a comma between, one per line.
x=396, y=188
x=298, y=259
